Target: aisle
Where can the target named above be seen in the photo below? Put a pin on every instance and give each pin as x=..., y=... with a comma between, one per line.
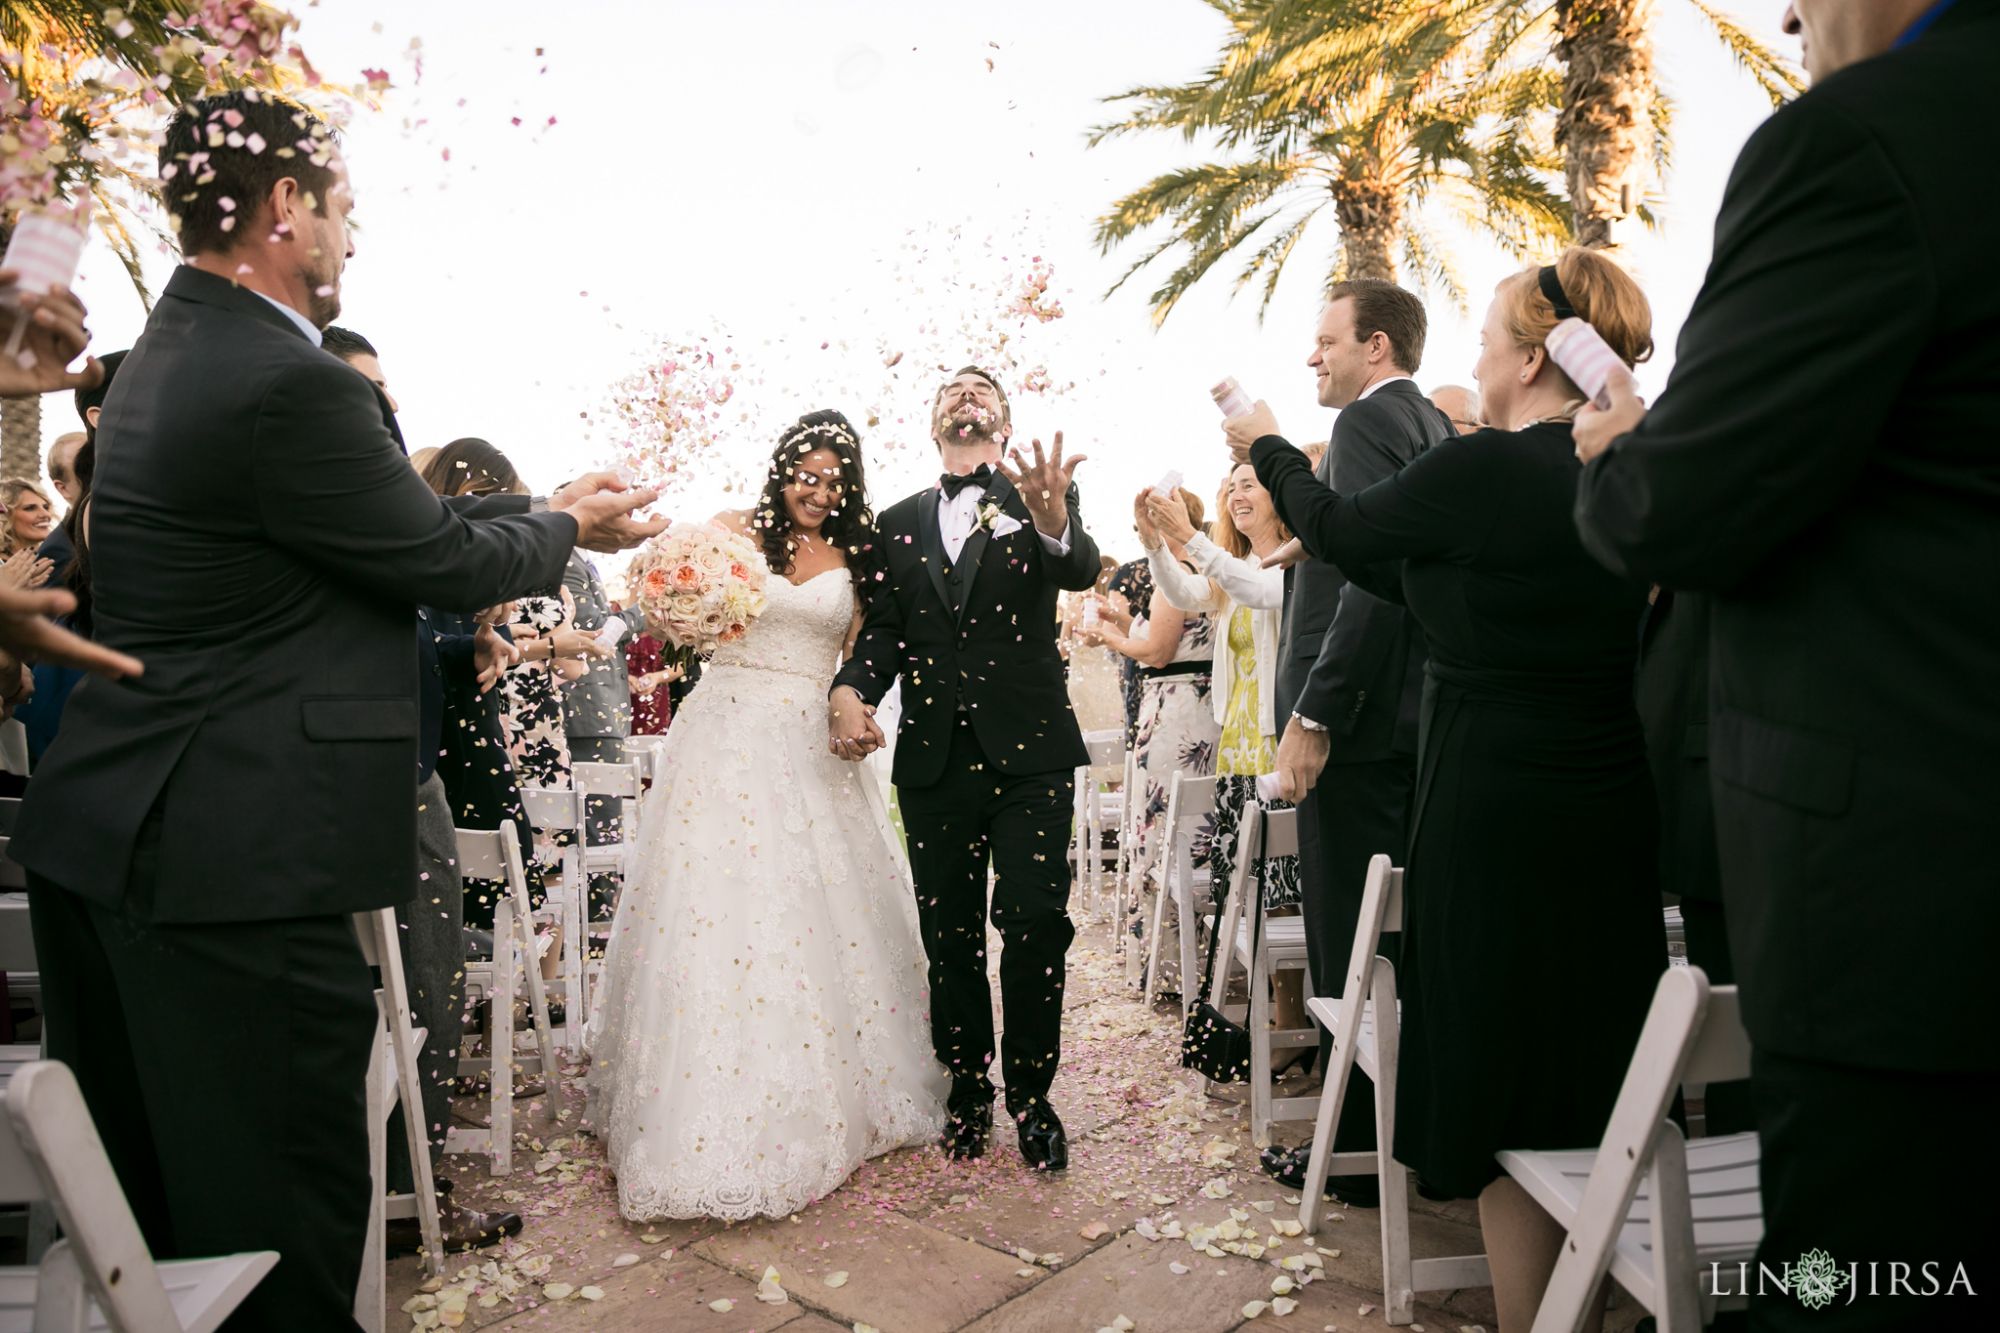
x=927, y=1247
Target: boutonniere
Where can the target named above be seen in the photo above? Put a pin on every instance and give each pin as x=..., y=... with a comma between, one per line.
x=997, y=519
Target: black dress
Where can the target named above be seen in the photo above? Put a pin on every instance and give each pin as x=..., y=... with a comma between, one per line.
x=479, y=776
x=1533, y=936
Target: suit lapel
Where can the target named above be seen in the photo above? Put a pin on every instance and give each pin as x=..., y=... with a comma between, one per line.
x=931, y=543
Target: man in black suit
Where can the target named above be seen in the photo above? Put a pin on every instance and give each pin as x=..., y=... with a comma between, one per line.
x=964, y=610
x=1823, y=463
x=198, y=836
x=1351, y=675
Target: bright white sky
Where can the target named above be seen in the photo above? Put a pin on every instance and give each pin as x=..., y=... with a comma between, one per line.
x=786, y=174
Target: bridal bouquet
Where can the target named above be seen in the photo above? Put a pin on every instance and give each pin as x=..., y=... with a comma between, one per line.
x=700, y=585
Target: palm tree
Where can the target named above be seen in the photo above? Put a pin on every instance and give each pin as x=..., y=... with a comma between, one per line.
x=86, y=84
x=1315, y=63
x=1439, y=128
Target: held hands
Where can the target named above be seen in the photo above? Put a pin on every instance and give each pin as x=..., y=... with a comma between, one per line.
x=54, y=337
x=851, y=732
x=1249, y=428
x=1044, y=485
x=602, y=505
x=1302, y=758
x=1597, y=427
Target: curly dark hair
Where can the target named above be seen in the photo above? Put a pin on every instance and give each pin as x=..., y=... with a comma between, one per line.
x=851, y=525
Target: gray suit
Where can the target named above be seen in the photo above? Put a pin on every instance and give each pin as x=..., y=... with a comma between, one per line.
x=597, y=708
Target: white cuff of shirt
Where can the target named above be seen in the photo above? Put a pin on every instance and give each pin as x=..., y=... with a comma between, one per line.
x=1055, y=545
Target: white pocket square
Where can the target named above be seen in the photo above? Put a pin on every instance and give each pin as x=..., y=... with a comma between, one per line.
x=1006, y=524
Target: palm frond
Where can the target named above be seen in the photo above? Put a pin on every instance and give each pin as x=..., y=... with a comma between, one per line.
x=1778, y=77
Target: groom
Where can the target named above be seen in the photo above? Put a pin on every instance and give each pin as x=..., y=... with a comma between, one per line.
x=963, y=606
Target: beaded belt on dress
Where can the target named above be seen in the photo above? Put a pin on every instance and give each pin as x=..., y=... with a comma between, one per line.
x=801, y=672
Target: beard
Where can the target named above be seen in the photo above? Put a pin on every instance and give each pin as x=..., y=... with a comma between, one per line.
x=970, y=426
x=323, y=305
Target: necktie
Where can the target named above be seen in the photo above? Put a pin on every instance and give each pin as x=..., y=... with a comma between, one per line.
x=951, y=484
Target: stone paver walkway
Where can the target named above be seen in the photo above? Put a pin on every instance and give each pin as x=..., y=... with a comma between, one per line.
x=914, y=1244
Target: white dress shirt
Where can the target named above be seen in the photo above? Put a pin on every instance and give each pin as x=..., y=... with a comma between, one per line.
x=958, y=515
x=306, y=326
x=1379, y=383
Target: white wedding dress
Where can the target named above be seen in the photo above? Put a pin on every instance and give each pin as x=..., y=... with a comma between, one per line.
x=762, y=1027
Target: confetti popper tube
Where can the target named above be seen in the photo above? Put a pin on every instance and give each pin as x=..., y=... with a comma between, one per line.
x=1583, y=355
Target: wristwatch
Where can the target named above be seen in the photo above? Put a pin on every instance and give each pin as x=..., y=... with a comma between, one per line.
x=1308, y=723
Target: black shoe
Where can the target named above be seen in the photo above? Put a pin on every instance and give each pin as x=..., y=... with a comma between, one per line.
x=1288, y=1166
x=964, y=1137
x=1044, y=1145
x=461, y=1228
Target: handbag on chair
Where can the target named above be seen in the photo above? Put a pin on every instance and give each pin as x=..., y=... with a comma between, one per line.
x=1212, y=1044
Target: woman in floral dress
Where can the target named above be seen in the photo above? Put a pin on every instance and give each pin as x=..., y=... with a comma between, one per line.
x=1177, y=730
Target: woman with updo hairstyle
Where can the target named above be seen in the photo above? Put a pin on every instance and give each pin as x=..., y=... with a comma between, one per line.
x=1533, y=936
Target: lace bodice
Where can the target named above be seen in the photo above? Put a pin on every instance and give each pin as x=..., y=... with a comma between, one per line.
x=801, y=630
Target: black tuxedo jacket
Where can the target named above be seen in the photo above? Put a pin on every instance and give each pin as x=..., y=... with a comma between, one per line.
x=260, y=543
x=996, y=651
x=1824, y=459
x=1350, y=660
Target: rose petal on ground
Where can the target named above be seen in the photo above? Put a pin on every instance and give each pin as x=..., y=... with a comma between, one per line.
x=835, y=1280
x=723, y=1306
x=625, y=1261
x=1283, y=1306
x=1255, y=1308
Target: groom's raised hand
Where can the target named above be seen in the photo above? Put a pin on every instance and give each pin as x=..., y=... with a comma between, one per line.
x=851, y=730
x=1044, y=486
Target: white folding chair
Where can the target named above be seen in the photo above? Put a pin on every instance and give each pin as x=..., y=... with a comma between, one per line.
x=393, y=1078
x=556, y=810
x=614, y=780
x=24, y=980
x=1366, y=1024
x=1263, y=945
x=496, y=855
x=100, y=1275
x=1190, y=800
x=1093, y=807
x=1657, y=1212
x=1131, y=804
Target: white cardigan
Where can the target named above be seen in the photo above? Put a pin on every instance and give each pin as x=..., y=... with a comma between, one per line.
x=1224, y=583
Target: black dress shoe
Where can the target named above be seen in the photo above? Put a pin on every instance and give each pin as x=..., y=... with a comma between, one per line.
x=964, y=1137
x=462, y=1228
x=1044, y=1146
x=1288, y=1166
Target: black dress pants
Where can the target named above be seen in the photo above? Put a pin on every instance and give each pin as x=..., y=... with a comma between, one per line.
x=223, y=1065
x=1353, y=812
x=1890, y=1174
x=972, y=815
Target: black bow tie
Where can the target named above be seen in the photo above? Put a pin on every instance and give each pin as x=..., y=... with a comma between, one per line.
x=951, y=484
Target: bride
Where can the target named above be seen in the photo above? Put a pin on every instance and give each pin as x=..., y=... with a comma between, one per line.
x=763, y=1025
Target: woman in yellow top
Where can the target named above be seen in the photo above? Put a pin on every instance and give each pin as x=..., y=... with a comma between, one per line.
x=1245, y=601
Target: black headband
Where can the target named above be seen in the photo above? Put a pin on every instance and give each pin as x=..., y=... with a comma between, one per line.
x=1553, y=289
